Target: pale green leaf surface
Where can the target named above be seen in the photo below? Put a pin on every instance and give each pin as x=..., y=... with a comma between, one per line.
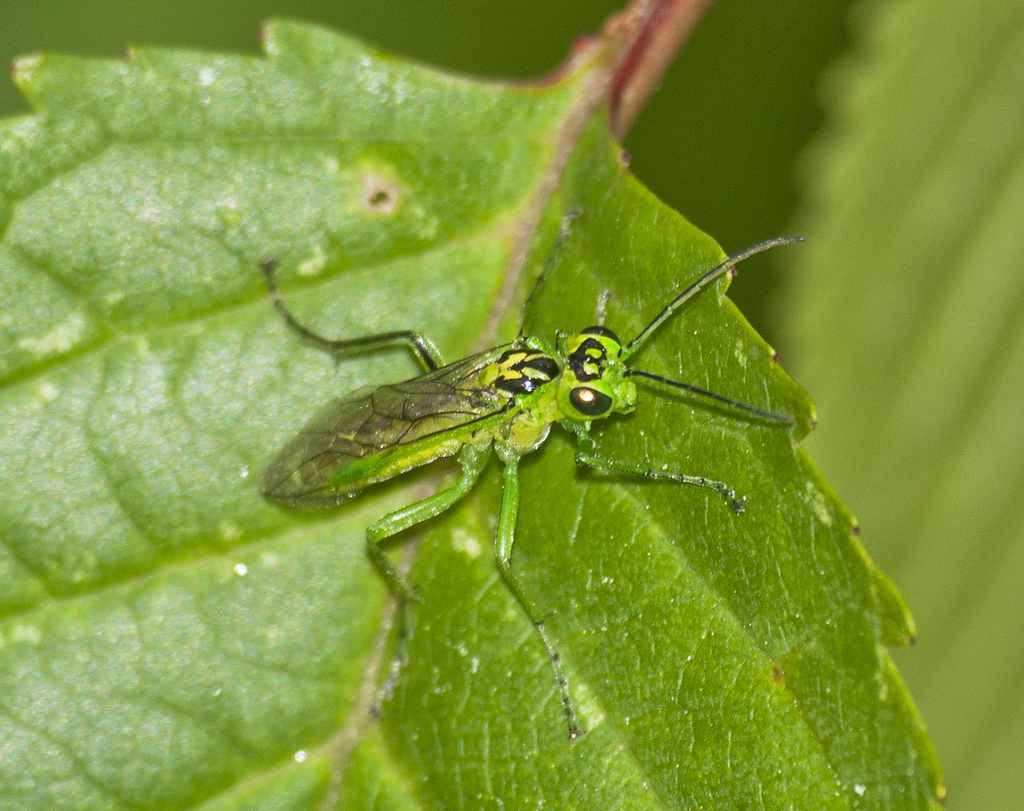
x=907, y=311
x=171, y=640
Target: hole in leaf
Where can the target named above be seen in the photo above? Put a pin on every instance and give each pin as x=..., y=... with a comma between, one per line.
x=380, y=195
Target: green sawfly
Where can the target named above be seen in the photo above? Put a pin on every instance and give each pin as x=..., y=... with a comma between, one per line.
x=503, y=400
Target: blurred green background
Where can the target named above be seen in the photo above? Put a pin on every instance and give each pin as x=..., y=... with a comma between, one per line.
x=902, y=204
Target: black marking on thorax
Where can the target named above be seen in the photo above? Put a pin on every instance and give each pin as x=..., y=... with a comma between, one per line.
x=521, y=371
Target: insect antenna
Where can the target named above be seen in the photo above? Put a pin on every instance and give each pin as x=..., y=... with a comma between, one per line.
x=563, y=232
x=719, y=398
x=696, y=287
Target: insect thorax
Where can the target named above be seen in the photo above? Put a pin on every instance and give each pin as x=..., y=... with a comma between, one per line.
x=520, y=370
x=587, y=385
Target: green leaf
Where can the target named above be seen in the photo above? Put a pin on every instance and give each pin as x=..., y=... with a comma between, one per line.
x=907, y=312
x=169, y=638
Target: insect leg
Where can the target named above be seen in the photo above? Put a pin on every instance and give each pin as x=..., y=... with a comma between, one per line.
x=589, y=459
x=503, y=554
x=420, y=345
x=473, y=458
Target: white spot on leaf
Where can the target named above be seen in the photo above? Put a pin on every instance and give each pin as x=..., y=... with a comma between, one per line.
x=590, y=710
x=60, y=339
x=314, y=264
x=229, y=530
x=463, y=541
x=815, y=499
x=741, y=356
x=26, y=633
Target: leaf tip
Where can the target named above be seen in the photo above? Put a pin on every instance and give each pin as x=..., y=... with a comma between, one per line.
x=24, y=68
x=269, y=36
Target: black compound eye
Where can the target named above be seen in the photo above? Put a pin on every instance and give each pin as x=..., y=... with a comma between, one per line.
x=590, y=402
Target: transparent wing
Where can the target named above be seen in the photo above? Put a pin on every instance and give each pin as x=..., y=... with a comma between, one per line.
x=373, y=434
